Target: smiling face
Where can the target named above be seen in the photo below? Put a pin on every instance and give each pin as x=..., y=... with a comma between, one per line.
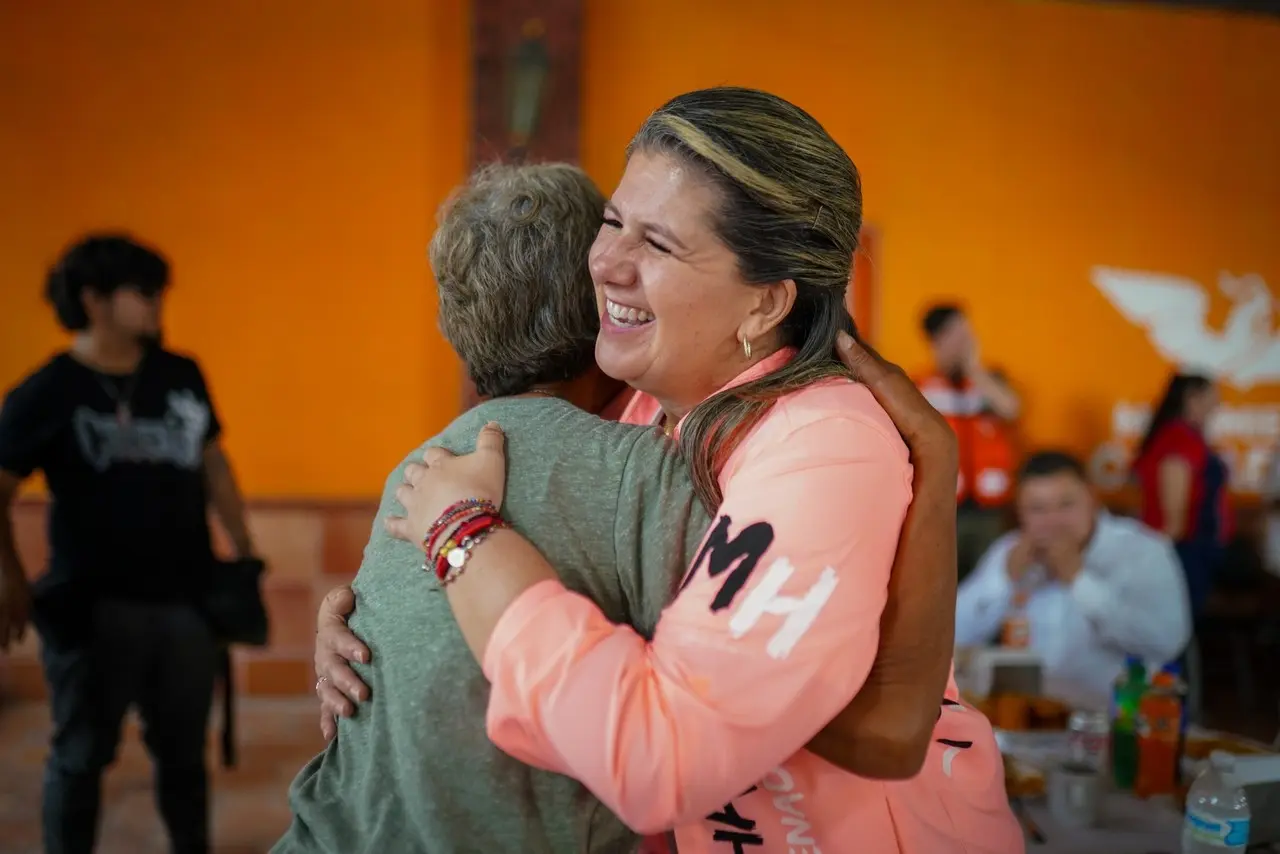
x=674, y=307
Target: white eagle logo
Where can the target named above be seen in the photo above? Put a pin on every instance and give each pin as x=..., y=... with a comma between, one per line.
x=1174, y=312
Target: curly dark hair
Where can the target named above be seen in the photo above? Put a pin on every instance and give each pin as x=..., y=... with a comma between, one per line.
x=101, y=263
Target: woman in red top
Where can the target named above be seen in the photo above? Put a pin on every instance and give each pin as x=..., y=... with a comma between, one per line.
x=1184, y=482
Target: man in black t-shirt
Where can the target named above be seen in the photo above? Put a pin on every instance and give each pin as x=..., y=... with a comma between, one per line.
x=127, y=438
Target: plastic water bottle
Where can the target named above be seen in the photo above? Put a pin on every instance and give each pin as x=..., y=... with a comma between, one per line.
x=1217, y=810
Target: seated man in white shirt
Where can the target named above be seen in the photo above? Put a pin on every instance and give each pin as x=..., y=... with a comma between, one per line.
x=1096, y=587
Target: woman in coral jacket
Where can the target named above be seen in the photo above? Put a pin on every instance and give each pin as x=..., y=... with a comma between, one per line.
x=721, y=269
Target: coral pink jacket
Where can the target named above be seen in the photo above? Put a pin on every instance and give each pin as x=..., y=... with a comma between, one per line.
x=773, y=632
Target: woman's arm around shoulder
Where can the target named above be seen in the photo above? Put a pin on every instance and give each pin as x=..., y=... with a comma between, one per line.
x=773, y=631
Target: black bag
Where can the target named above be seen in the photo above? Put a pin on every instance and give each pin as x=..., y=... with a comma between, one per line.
x=236, y=613
x=233, y=603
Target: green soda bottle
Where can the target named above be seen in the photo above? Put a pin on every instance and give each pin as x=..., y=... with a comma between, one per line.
x=1126, y=696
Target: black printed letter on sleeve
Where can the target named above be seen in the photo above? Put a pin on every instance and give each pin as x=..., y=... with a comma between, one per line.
x=720, y=553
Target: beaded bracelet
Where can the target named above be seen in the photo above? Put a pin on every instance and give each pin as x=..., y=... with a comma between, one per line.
x=471, y=526
x=453, y=561
x=452, y=514
x=452, y=534
x=458, y=508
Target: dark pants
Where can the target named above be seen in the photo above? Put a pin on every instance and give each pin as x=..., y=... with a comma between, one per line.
x=161, y=659
x=1201, y=561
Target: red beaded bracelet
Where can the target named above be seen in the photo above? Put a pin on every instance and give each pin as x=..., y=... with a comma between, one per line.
x=452, y=558
x=454, y=532
x=456, y=509
x=453, y=514
x=470, y=526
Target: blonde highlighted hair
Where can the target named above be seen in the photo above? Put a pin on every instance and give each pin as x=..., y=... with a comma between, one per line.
x=791, y=208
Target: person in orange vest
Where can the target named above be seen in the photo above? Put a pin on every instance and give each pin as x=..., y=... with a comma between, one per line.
x=981, y=408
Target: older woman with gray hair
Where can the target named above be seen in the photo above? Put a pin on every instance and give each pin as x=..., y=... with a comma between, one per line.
x=415, y=772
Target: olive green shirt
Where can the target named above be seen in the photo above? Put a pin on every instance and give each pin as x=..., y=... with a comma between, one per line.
x=612, y=508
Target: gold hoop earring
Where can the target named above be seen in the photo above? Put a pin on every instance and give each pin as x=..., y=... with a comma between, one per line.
x=746, y=347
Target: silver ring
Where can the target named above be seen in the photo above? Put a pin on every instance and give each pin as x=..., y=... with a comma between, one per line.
x=321, y=681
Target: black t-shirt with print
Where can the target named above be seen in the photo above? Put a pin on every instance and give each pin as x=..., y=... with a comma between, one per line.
x=123, y=457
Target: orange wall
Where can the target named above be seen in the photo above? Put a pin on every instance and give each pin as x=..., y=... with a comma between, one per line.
x=289, y=156
x=1007, y=147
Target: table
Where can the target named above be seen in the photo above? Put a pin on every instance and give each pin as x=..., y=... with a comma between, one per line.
x=1128, y=826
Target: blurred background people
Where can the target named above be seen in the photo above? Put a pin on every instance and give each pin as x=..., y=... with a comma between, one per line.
x=127, y=438
x=981, y=408
x=1183, y=482
x=1091, y=587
